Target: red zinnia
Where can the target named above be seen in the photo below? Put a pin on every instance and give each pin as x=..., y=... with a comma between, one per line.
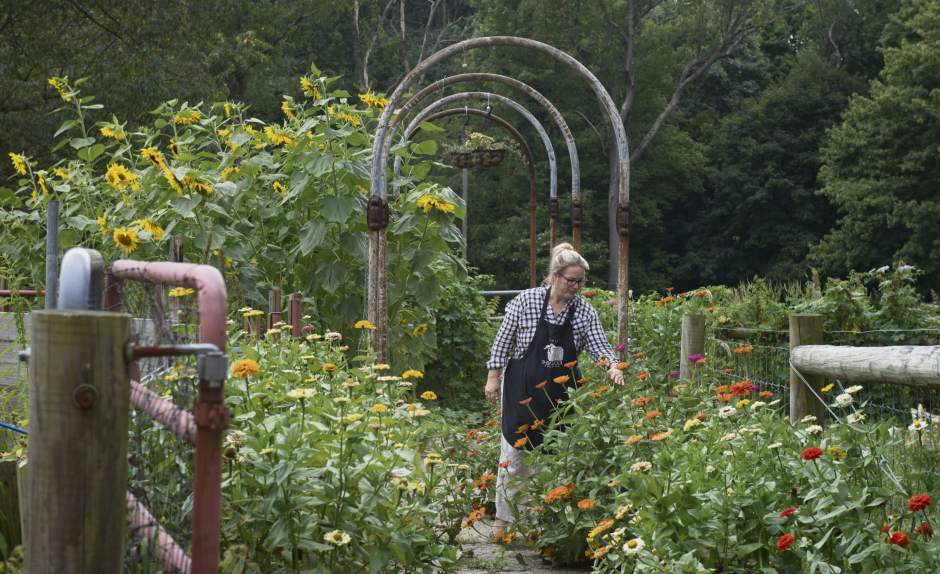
x=924, y=530
x=789, y=511
x=525, y=401
x=918, y=502
x=541, y=385
x=785, y=541
x=885, y=528
x=812, y=453
x=899, y=538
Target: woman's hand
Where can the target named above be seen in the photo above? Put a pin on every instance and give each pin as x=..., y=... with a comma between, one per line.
x=616, y=375
x=491, y=390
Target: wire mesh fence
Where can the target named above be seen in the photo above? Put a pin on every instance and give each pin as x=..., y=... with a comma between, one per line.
x=161, y=462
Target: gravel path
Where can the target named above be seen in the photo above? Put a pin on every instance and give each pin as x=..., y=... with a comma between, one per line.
x=481, y=557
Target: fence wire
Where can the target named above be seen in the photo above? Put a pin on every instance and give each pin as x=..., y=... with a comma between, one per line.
x=161, y=463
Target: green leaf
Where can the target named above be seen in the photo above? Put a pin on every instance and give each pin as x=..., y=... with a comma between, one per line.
x=79, y=143
x=185, y=205
x=427, y=147
x=430, y=128
x=311, y=235
x=66, y=126
x=90, y=153
x=425, y=289
x=330, y=275
x=337, y=209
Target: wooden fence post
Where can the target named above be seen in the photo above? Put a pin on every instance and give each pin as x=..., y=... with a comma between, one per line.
x=9, y=504
x=296, y=322
x=274, y=307
x=79, y=400
x=691, y=342
x=805, y=329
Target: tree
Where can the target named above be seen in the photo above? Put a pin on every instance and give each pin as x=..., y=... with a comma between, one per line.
x=882, y=163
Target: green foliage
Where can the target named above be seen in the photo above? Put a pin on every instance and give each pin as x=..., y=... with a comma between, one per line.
x=325, y=441
x=880, y=164
x=698, y=484
x=272, y=205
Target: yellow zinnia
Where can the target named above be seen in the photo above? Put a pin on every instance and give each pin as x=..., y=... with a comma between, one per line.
x=428, y=396
x=364, y=324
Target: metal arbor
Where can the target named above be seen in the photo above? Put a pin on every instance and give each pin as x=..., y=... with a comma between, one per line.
x=378, y=211
x=540, y=130
x=576, y=209
x=434, y=115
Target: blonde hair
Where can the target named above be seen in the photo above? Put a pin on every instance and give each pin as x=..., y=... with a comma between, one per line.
x=564, y=256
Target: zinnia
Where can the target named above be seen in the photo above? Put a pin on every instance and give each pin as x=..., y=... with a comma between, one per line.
x=244, y=368
x=586, y=504
x=918, y=502
x=899, y=538
x=789, y=511
x=811, y=453
x=784, y=542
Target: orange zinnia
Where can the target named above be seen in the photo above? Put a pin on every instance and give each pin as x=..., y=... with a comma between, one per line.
x=504, y=464
x=652, y=414
x=639, y=355
x=537, y=423
x=525, y=401
x=723, y=398
x=660, y=435
x=559, y=493
x=541, y=385
x=562, y=379
x=586, y=504
x=522, y=428
x=623, y=366
x=641, y=402
x=643, y=375
x=634, y=439
x=721, y=389
x=765, y=394
x=570, y=364
x=521, y=442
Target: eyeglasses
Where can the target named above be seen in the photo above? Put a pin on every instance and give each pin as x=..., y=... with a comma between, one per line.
x=574, y=282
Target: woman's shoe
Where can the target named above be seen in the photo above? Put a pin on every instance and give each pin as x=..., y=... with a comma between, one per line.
x=498, y=535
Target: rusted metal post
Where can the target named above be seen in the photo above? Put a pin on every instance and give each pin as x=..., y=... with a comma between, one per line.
x=274, y=307
x=211, y=415
x=52, y=254
x=465, y=181
x=79, y=411
x=296, y=322
x=527, y=156
x=805, y=329
x=619, y=186
x=553, y=223
x=577, y=216
x=691, y=342
x=377, y=220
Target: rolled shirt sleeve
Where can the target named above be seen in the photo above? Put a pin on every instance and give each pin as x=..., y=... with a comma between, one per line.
x=594, y=338
x=506, y=336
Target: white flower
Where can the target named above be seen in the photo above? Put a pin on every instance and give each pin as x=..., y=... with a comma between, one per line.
x=773, y=403
x=757, y=404
x=235, y=438
x=726, y=412
x=843, y=400
x=918, y=425
x=853, y=389
x=633, y=546
x=808, y=419
x=753, y=430
x=332, y=336
x=710, y=469
x=642, y=466
x=855, y=417
x=337, y=537
x=774, y=445
x=616, y=535
x=814, y=429
x=729, y=436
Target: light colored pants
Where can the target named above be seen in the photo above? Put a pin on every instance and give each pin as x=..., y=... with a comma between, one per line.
x=510, y=479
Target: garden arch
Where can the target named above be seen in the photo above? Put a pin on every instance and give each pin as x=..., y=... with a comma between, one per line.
x=434, y=115
x=378, y=211
x=576, y=210
x=488, y=97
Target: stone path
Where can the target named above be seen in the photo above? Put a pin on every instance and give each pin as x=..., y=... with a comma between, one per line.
x=481, y=557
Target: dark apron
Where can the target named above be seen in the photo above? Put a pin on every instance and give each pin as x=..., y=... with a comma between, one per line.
x=523, y=374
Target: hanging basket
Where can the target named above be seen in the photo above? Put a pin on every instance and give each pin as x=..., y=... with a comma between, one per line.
x=476, y=158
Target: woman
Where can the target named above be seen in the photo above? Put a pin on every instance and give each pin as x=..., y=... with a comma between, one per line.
x=544, y=329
